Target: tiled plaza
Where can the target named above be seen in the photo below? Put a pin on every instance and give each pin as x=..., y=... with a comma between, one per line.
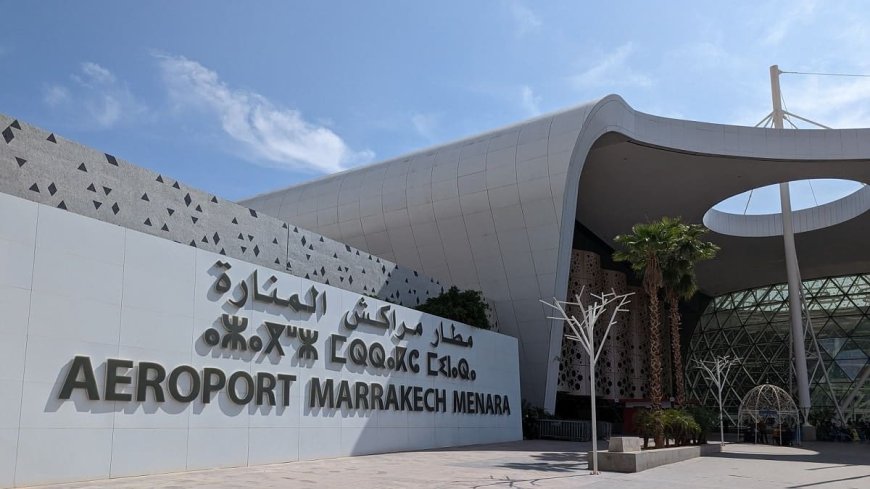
x=537, y=464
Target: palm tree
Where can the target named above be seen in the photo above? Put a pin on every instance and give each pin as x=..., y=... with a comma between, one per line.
x=645, y=249
x=678, y=274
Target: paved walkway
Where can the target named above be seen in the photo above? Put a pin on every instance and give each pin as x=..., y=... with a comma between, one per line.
x=537, y=464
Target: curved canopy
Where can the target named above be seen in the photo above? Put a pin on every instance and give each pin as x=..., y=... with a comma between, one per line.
x=768, y=401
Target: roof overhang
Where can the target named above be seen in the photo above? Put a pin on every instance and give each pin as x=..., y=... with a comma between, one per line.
x=625, y=181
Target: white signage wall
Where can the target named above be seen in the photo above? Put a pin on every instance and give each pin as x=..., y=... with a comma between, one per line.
x=126, y=354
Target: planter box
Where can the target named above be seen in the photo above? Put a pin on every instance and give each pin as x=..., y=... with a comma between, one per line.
x=647, y=459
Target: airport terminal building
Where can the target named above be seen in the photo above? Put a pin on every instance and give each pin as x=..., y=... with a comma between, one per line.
x=153, y=327
x=530, y=211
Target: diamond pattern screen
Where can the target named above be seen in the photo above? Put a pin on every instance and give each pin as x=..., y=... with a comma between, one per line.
x=41, y=167
x=622, y=368
x=754, y=326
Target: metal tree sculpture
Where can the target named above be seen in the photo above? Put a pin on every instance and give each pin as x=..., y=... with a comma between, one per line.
x=582, y=331
x=716, y=371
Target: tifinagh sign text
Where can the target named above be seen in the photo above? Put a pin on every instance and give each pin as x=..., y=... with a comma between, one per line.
x=301, y=346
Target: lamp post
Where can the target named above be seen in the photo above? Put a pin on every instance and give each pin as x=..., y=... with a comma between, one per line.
x=716, y=371
x=583, y=332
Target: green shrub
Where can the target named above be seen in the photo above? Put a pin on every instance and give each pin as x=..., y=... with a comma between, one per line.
x=664, y=425
x=707, y=419
x=680, y=426
x=650, y=423
x=531, y=415
x=467, y=306
x=823, y=420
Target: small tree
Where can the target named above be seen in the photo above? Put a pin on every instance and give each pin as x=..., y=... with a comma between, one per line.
x=467, y=306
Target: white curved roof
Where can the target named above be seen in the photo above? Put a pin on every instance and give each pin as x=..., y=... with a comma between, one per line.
x=496, y=211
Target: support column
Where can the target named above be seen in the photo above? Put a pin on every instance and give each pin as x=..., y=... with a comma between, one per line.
x=794, y=304
x=798, y=334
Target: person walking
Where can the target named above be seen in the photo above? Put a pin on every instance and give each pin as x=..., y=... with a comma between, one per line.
x=761, y=427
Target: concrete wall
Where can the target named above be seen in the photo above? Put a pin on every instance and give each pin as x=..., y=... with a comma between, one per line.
x=483, y=213
x=75, y=286
x=46, y=168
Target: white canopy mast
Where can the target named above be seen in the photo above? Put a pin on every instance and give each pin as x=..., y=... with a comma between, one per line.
x=796, y=303
x=791, y=265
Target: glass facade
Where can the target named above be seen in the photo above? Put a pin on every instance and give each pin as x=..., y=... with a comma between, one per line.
x=753, y=325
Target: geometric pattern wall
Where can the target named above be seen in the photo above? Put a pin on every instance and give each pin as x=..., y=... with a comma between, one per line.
x=585, y=276
x=622, y=368
x=754, y=325
x=42, y=167
x=638, y=344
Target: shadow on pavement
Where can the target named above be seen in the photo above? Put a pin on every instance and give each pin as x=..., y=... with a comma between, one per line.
x=526, y=446
x=552, y=462
x=841, y=454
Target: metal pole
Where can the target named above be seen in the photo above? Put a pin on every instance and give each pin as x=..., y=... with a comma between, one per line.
x=776, y=97
x=592, y=397
x=791, y=265
x=721, y=407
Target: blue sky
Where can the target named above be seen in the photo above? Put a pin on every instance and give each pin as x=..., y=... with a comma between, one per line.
x=238, y=98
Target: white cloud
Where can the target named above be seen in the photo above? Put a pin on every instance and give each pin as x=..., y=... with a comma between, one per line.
x=835, y=102
x=276, y=136
x=526, y=20
x=425, y=125
x=530, y=102
x=55, y=95
x=788, y=16
x=97, y=93
x=612, y=70
x=95, y=74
